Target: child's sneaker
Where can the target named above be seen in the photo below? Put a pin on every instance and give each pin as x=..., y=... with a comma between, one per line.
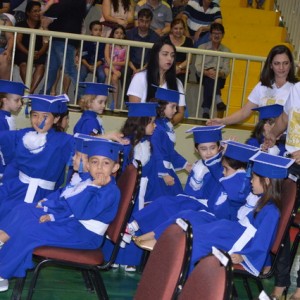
x=130, y=268
x=129, y=232
x=115, y=266
x=3, y=284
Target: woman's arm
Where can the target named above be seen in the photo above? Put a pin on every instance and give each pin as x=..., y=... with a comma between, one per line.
x=20, y=45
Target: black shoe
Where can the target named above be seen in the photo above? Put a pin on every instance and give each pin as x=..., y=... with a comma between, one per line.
x=221, y=106
x=205, y=116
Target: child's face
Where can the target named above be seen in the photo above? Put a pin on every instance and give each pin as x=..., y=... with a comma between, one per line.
x=267, y=127
x=170, y=110
x=119, y=34
x=100, y=168
x=76, y=161
x=37, y=117
x=227, y=170
x=12, y=103
x=150, y=127
x=257, y=187
x=96, y=30
x=207, y=150
x=98, y=104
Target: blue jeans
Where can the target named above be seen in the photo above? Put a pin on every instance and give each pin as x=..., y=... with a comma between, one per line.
x=56, y=60
x=203, y=38
x=84, y=71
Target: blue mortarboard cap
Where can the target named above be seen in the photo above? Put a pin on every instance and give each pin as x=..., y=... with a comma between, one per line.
x=102, y=147
x=80, y=138
x=167, y=94
x=272, y=166
x=141, y=109
x=12, y=87
x=206, y=134
x=269, y=111
x=47, y=103
x=93, y=88
x=239, y=151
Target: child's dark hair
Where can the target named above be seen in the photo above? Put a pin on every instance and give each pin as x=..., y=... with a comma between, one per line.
x=115, y=28
x=217, y=142
x=258, y=131
x=135, y=128
x=58, y=125
x=2, y=95
x=160, y=109
x=94, y=23
x=234, y=163
x=271, y=191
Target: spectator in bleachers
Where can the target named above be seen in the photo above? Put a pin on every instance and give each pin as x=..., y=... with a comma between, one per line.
x=33, y=20
x=178, y=7
x=116, y=12
x=160, y=71
x=199, y=15
x=4, y=6
x=88, y=57
x=179, y=39
x=69, y=15
x=141, y=33
x=210, y=69
x=6, y=47
x=162, y=15
x=259, y=3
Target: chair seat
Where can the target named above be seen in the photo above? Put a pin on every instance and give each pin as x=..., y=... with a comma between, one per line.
x=86, y=257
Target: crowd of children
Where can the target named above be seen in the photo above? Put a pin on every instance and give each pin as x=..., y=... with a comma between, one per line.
x=37, y=196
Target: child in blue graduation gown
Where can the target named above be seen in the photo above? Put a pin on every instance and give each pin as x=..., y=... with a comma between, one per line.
x=249, y=239
x=138, y=128
x=92, y=103
x=39, y=154
x=167, y=159
x=10, y=102
x=267, y=116
x=230, y=188
x=74, y=217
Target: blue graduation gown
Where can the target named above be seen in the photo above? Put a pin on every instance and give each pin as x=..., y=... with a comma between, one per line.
x=46, y=161
x=89, y=123
x=81, y=215
x=4, y=115
x=252, y=237
x=167, y=159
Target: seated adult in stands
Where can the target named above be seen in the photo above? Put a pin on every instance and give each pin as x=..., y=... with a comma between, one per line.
x=210, y=69
x=141, y=33
x=116, y=12
x=4, y=6
x=179, y=39
x=199, y=15
x=33, y=20
x=6, y=47
x=162, y=15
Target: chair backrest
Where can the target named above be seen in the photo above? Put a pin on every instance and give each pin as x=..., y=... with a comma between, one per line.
x=288, y=209
x=128, y=183
x=210, y=280
x=167, y=265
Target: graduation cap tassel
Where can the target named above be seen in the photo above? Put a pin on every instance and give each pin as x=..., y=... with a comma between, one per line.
x=41, y=126
x=80, y=168
x=246, y=181
x=27, y=109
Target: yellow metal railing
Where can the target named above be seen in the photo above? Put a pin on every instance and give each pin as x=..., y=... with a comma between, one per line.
x=238, y=84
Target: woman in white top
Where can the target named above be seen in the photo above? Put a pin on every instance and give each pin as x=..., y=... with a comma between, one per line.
x=160, y=71
x=276, y=80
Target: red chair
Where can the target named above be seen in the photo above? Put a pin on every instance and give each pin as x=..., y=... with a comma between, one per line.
x=90, y=262
x=289, y=203
x=167, y=266
x=210, y=279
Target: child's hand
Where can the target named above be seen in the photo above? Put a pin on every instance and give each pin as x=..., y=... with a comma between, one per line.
x=39, y=204
x=101, y=180
x=236, y=258
x=45, y=218
x=188, y=167
x=169, y=180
